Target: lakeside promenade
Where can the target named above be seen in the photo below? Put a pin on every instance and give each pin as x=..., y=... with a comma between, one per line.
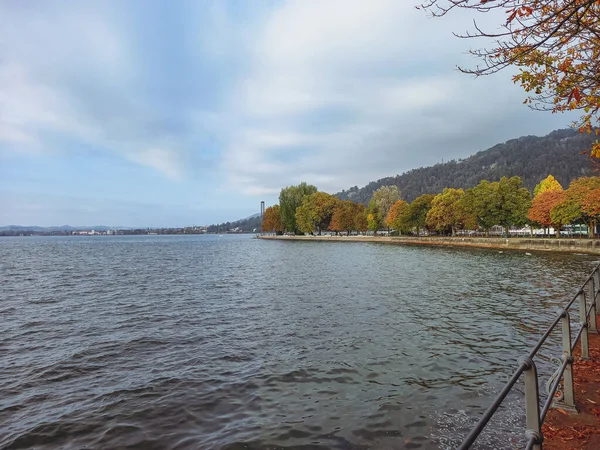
x=569, y=245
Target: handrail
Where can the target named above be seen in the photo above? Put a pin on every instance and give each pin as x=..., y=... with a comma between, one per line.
x=564, y=374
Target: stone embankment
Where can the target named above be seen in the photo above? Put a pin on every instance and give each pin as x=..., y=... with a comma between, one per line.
x=579, y=245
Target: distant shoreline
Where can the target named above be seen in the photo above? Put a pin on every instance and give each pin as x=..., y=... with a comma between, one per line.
x=588, y=246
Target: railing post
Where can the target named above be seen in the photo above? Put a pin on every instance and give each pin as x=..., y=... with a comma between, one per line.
x=585, y=354
x=532, y=405
x=592, y=293
x=596, y=297
x=568, y=387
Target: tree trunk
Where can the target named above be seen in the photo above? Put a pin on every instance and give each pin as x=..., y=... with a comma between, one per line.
x=531, y=230
x=453, y=231
x=506, y=229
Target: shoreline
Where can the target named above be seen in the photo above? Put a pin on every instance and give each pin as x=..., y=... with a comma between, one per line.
x=587, y=246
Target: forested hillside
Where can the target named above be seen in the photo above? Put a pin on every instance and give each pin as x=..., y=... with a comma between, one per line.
x=247, y=225
x=532, y=158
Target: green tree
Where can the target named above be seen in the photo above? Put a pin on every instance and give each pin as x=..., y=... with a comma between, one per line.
x=315, y=212
x=565, y=212
x=418, y=212
x=514, y=202
x=380, y=204
x=373, y=222
x=547, y=184
x=483, y=202
x=290, y=199
x=505, y=202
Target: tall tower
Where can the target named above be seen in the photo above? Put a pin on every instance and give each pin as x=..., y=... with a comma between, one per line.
x=262, y=213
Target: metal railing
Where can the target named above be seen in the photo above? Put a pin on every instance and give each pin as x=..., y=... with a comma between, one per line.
x=534, y=417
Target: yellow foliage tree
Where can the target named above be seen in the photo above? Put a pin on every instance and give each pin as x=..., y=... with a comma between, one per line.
x=547, y=184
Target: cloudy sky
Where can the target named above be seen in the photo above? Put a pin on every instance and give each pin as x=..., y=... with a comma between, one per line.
x=149, y=113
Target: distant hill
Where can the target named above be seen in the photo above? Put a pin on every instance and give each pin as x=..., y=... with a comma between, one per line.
x=530, y=157
x=60, y=228
x=248, y=224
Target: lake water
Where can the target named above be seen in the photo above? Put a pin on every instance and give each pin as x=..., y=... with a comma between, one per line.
x=189, y=342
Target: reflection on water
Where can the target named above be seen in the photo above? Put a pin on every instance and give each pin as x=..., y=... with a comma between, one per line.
x=198, y=342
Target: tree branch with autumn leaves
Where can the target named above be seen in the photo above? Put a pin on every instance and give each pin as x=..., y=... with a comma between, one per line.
x=555, y=44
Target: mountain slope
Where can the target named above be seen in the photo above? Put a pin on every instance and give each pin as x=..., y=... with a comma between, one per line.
x=530, y=157
x=248, y=224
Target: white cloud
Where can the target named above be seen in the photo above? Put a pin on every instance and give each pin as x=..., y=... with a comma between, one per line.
x=163, y=160
x=343, y=92
x=72, y=76
x=333, y=92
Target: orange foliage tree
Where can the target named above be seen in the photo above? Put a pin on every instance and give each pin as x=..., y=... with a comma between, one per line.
x=344, y=216
x=398, y=216
x=554, y=43
x=272, y=220
x=360, y=218
x=590, y=204
x=349, y=216
x=541, y=208
x=576, y=194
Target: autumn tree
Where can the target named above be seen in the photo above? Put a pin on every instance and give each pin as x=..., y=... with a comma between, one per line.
x=398, y=217
x=360, y=218
x=315, y=212
x=418, y=212
x=590, y=204
x=343, y=216
x=272, y=220
x=380, y=204
x=541, y=208
x=547, y=184
x=555, y=44
x=573, y=209
x=348, y=216
x=290, y=199
x=447, y=211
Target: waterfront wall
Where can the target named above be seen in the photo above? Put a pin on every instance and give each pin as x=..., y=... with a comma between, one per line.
x=591, y=246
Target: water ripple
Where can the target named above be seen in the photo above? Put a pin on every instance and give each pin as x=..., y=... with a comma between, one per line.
x=189, y=342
